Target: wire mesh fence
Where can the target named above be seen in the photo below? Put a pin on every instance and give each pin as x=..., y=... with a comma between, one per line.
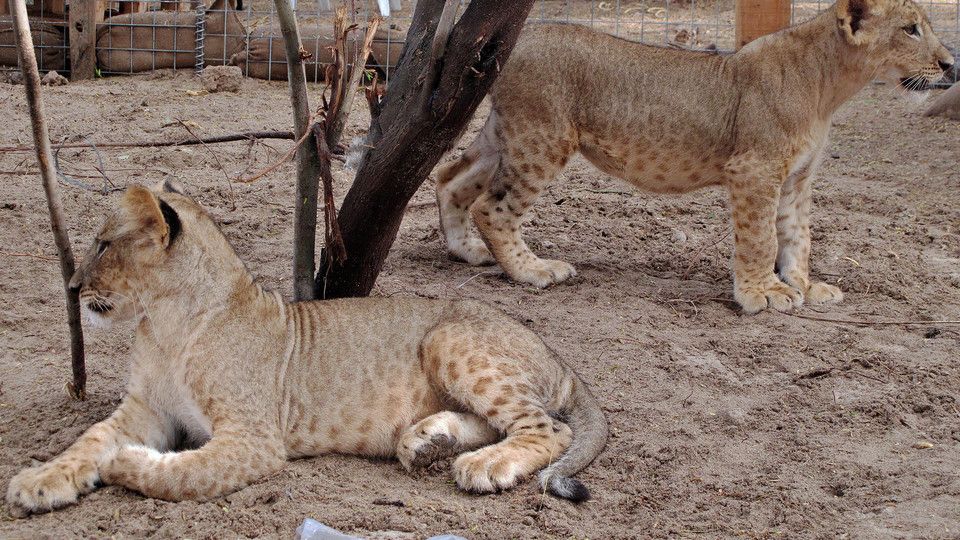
x=49, y=31
x=147, y=35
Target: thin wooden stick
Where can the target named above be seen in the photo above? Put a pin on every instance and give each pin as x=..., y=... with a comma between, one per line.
x=34, y=255
x=873, y=323
x=245, y=136
x=41, y=138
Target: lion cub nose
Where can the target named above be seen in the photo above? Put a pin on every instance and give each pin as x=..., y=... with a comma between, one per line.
x=945, y=64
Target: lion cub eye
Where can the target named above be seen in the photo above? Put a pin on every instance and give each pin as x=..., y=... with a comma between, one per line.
x=101, y=247
x=912, y=30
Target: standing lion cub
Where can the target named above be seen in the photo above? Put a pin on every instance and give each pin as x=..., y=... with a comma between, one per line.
x=248, y=381
x=672, y=121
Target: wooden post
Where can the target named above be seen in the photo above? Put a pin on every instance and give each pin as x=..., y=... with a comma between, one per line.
x=4, y=10
x=84, y=16
x=757, y=18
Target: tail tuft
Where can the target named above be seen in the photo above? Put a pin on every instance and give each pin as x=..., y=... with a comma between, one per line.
x=565, y=488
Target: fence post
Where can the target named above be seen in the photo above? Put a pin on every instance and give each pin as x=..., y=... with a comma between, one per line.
x=757, y=18
x=84, y=16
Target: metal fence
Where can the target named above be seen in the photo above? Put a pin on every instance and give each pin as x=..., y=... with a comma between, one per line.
x=154, y=34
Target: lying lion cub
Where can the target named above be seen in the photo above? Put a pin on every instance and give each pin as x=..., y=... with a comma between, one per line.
x=249, y=381
x=672, y=121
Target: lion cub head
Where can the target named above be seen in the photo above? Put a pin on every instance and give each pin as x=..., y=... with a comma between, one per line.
x=897, y=36
x=138, y=253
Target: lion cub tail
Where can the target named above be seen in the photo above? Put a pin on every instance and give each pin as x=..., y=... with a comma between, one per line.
x=583, y=414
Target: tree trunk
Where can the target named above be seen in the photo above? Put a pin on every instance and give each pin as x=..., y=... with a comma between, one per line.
x=308, y=165
x=948, y=104
x=443, y=75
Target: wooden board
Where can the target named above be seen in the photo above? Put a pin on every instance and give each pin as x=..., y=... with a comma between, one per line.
x=757, y=18
x=84, y=16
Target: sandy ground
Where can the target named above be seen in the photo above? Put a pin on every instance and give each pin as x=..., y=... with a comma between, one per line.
x=722, y=425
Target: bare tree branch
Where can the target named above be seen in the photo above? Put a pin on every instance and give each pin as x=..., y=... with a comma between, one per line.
x=41, y=138
x=305, y=208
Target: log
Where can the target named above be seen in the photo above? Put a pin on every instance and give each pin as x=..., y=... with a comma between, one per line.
x=432, y=96
x=41, y=140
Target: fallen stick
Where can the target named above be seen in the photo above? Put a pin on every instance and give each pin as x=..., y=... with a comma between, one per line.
x=874, y=323
x=41, y=138
x=245, y=136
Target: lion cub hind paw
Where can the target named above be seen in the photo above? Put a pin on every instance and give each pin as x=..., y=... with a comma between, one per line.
x=485, y=471
x=778, y=296
x=473, y=252
x=543, y=273
x=823, y=293
x=422, y=452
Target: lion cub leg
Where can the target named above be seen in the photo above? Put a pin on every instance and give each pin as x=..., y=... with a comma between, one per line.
x=78, y=470
x=459, y=183
x=232, y=459
x=793, y=238
x=754, y=197
x=503, y=376
x=499, y=212
x=441, y=435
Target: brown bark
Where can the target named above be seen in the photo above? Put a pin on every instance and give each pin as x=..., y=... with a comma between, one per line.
x=41, y=139
x=433, y=94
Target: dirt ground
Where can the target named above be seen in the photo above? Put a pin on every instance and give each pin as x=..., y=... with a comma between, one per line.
x=723, y=425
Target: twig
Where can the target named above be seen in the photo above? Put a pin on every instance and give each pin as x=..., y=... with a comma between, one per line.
x=606, y=191
x=695, y=256
x=283, y=159
x=473, y=277
x=34, y=255
x=245, y=136
x=873, y=323
x=77, y=183
x=41, y=139
x=233, y=199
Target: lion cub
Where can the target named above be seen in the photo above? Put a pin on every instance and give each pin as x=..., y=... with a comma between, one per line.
x=672, y=121
x=249, y=381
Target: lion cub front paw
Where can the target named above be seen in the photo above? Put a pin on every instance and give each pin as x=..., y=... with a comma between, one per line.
x=542, y=273
x=50, y=486
x=774, y=294
x=823, y=293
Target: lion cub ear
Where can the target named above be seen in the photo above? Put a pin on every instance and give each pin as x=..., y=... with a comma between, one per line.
x=851, y=14
x=143, y=210
x=169, y=186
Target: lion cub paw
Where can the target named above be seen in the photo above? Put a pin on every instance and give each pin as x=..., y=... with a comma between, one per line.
x=542, y=273
x=776, y=295
x=486, y=470
x=49, y=486
x=473, y=252
x=823, y=293
x=419, y=450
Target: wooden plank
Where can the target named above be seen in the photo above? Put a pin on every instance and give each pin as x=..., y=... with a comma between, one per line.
x=757, y=18
x=84, y=16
